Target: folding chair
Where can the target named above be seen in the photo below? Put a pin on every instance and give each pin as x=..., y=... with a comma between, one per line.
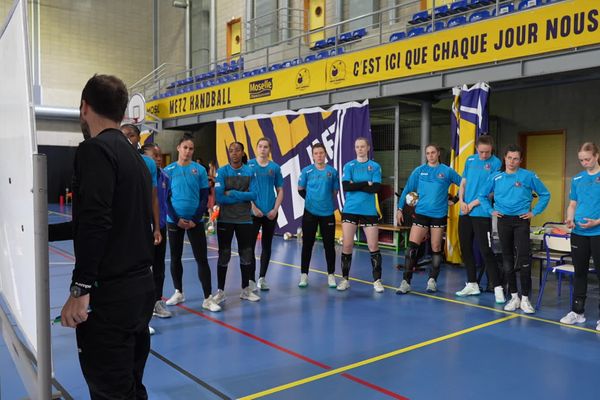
x=555, y=245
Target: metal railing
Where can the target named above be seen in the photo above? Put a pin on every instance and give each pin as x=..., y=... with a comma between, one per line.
x=383, y=23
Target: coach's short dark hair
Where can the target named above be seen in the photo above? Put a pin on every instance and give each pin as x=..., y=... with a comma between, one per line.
x=107, y=95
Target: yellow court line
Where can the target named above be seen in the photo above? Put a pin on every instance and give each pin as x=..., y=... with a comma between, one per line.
x=464, y=303
x=375, y=359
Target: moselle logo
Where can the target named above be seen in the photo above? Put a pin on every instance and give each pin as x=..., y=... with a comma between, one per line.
x=518, y=184
x=194, y=171
x=370, y=168
x=488, y=166
x=598, y=179
x=441, y=175
x=270, y=172
x=337, y=72
x=303, y=79
x=329, y=174
x=261, y=88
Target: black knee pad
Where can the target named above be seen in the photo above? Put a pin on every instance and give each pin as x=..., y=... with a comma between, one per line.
x=376, y=264
x=436, y=259
x=411, y=256
x=246, y=256
x=224, y=257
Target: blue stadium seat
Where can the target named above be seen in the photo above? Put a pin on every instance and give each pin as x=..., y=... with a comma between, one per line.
x=438, y=25
x=246, y=74
x=441, y=11
x=525, y=4
x=310, y=58
x=359, y=33
x=275, y=67
x=234, y=77
x=221, y=80
x=162, y=95
x=336, y=52
x=480, y=3
x=504, y=9
x=198, y=78
x=189, y=80
x=171, y=85
x=180, y=82
x=322, y=54
x=199, y=85
x=479, y=15
x=394, y=37
x=415, y=31
x=346, y=37
x=420, y=17
x=286, y=64
x=330, y=41
x=295, y=61
x=260, y=70
x=456, y=21
x=154, y=97
x=209, y=83
x=319, y=44
x=459, y=6
x=180, y=90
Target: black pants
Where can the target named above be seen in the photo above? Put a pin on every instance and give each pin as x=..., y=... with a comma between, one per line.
x=114, y=343
x=514, y=236
x=582, y=247
x=243, y=234
x=197, y=238
x=480, y=229
x=158, y=267
x=266, y=240
x=310, y=223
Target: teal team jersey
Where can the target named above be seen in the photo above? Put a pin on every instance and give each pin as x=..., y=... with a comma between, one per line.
x=359, y=202
x=319, y=185
x=585, y=190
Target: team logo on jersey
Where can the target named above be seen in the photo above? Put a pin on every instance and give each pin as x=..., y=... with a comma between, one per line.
x=518, y=184
x=369, y=168
x=194, y=171
x=329, y=174
x=441, y=175
x=597, y=180
x=487, y=166
x=271, y=172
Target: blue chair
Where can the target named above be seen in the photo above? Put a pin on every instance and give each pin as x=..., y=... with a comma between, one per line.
x=394, y=37
x=198, y=78
x=154, y=97
x=247, y=74
x=525, y=4
x=480, y=3
x=456, y=21
x=162, y=95
x=189, y=80
x=310, y=58
x=504, y=9
x=275, y=67
x=234, y=77
x=345, y=37
x=209, y=83
x=459, y=6
x=322, y=54
x=199, y=85
x=420, y=17
x=359, y=33
x=415, y=31
x=180, y=90
x=437, y=26
x=295, y=61
x=441, y=11
x=260, y=70
x=479, y=15
x=334, y=52
x=330, y=41
x=319, y=44
x=171, y=85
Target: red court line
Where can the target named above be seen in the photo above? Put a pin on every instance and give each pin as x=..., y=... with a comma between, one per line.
x=292, y=353
x=263, y=341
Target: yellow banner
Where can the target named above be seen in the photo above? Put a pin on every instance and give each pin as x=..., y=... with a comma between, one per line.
x=539, y=30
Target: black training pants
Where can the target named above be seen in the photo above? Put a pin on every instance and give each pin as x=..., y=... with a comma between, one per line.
x=310, y=223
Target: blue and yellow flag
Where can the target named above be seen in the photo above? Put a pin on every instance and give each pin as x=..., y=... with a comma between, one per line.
x=469, y=120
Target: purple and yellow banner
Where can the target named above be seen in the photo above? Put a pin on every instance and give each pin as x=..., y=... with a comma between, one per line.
x=292, y=134
x=469, y=119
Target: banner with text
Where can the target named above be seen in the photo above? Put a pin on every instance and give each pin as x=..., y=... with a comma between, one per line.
x=292, y=134
x=553, y=27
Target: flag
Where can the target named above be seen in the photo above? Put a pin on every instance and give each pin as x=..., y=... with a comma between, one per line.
x=468, y=120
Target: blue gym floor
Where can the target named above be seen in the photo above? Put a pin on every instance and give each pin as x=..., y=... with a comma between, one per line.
x=317, y=343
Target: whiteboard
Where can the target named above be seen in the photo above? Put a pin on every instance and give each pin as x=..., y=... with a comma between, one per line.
x=18, y=144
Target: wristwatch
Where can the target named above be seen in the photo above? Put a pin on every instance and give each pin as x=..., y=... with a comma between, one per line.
x=78, y=291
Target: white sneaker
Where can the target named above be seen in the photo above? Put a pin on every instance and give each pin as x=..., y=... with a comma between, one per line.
x=526, y=306
x=513, y=304
x=470, y=289
x=499, y=295
x=176, y=298
x=262, y=284
x=572, y=318
x=598, y=325
x=431, y=286
x=303, y=280
x=160, y=310
x=378, y=286
x=219, y=297
x=403, y=288
x=343, y=285
x=331, y=281
x=252, y=285
x=210, y=305
x=151, y=330
x=248, y=294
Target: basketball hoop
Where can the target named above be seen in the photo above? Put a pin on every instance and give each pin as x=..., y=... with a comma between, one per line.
x=136, y=109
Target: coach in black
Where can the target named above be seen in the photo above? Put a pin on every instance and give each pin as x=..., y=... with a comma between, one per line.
x=112, y=290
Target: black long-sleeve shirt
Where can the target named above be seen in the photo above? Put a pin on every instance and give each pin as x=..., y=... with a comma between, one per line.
x=112, y=215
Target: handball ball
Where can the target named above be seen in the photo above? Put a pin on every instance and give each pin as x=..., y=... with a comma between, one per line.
x=287, y=236
x=211, y=229
x=215, y=208
x=412, y=198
